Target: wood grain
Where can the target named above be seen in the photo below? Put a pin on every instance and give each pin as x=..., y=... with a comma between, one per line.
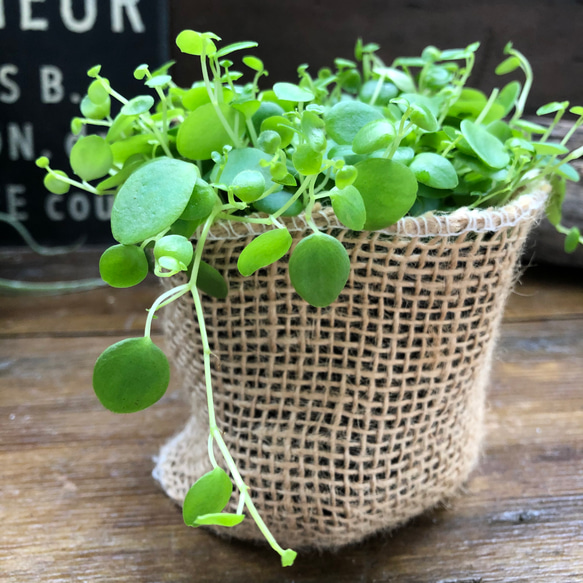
x=78, y=503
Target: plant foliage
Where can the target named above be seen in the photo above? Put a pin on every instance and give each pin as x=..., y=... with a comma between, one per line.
x=373, y=141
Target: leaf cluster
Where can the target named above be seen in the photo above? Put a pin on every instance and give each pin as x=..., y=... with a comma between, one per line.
x=373, y=141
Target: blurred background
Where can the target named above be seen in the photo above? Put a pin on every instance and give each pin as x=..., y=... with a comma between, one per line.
x=47, y=47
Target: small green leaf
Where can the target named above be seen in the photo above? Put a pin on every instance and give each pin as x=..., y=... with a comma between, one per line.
x=552, y=107
x=282, y=126
x=138, y=105
x=248, y=107
x=569, y=172
x=508, y=96
x=313, y=128
x=54, y=184
x=175, y=246
x=486, y=146
x=401, y=79
x=193, y=43
x=219, y=519
x=306, y=161
x=349, y=207
x=203, y=132
x=253, y=63
x=273, y=202
x=319, y=268
x=529, y=126
x=572, y=239
x=201, y=202
x=94, y=71
x=288, y=557
x=375, y=135
x=291, y=92
x=264, y=250
x=423, y=117
x=211, y=282
x=239, y=46
x=243, y=159
x=434, y=170
x=91, y=157
x=158, y=81
x=346, y=118
x=151, y=199
x=208, y=495
x=131, y=375
x=388, y=189
x=248, y=185
x=507, y=66
x=123, y=266
x=345, y=176
x=549, y=149
x=576, y=110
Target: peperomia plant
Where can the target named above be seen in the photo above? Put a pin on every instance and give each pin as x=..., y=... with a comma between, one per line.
x=371, y=141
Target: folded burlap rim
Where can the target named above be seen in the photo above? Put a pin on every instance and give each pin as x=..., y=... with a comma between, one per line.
x=462, y=220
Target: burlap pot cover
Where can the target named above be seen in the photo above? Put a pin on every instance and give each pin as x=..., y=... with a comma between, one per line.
x=356, y=417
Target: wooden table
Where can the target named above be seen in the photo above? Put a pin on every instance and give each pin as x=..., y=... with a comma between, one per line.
x=78, y=503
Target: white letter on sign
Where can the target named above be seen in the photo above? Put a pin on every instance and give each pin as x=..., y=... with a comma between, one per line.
x=118, y=7
x=51, y=84
x=83, y=25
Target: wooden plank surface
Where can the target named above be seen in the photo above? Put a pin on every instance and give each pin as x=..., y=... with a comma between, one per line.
x=77, y=501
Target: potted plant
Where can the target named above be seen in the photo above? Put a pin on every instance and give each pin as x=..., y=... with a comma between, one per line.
x=344, y=393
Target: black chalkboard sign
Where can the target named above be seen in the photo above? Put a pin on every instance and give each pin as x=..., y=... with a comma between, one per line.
x=46, y=47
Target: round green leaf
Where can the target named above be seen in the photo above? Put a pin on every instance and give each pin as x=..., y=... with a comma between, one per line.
x=313, y=128
x=434, y=170
x=151, y=199
x=282, y=126
x=253, y=63
x=345, y=176
x=306, y=161
x=211, y=282
x=123, y=265
x=248, y=185
x=388, y=189
x=203, y=133
x=486, y=146
x=131, y=375
x=201, y=202
x=273, y=202
x=208, y=495
x=138, y=105
x=266, y=109
x=319, y=268
x=264, y=250
x=240, y=160
x=349, y=207
x=401, y=79
x=92, y=110
x=508, y=96
x=175, y=246
x=507, y=66
x=291, y=92
x=572, y=239
x=549, y=149
x=91, y=157
x=387, y=92
x=344, y=120
x=54, y=184
x=375, y=135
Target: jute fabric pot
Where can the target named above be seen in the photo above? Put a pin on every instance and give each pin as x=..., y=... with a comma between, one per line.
x=353, y=418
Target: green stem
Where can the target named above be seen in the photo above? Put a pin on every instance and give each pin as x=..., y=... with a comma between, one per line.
x=215, y=433
x=175, y=293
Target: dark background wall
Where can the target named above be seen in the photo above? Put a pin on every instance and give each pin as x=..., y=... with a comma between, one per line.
x=549, y=32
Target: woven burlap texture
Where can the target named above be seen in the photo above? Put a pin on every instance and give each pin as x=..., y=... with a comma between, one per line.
x=353, y=418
